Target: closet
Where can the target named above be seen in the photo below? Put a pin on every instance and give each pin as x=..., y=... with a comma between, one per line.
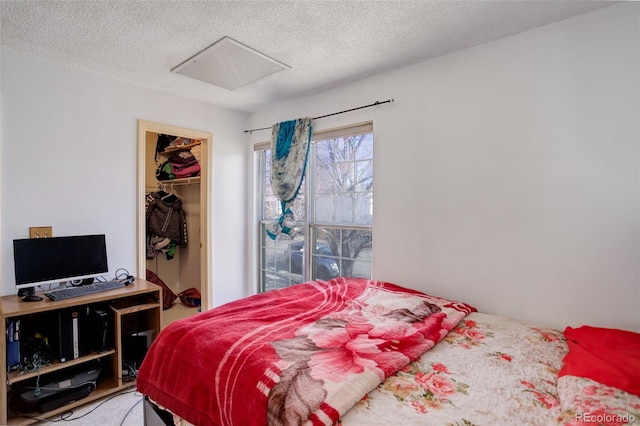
x=173, y=188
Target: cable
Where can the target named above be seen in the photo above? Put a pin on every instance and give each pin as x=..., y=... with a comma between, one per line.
x=131, y=409
x=70, y=412
x=121, y=275
x=133, y=370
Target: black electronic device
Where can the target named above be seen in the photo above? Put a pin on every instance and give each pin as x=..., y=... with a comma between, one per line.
x=39, y=261
x=65, y=397
x=134, y=349
x=101, y=329
x=72, y=337
x=59, y=391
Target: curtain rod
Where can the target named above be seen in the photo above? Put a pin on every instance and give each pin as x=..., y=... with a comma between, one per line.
x=376, y=103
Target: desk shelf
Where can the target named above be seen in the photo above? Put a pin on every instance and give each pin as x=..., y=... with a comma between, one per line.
x=135, y=309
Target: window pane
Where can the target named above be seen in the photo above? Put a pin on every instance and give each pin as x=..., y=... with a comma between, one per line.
x=323, y=152
x=344, y=179
x=359, y=268
x=364, y=149
x=266, y=158
x=349, y=250
x=343, y=209
x=270, y=256
x=325, y=255
x=271, y=208
x=337, y=172
x=364, y=175
x=327, y=241
x=325, y=268
x=324, y=208
x=324, y=169
x=282, y=260
x=363, y=209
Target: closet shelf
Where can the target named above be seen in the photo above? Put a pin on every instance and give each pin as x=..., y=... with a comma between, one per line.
x=172, y=149
x=180, y=181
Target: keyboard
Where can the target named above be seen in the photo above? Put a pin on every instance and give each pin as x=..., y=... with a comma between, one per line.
x=81, y=290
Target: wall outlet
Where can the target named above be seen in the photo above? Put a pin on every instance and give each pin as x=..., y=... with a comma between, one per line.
x=40, y=231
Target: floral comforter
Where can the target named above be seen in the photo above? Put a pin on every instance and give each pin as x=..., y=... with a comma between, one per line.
x=304, y=354
x=359, y=352
x=491, y=370
x=488, y=370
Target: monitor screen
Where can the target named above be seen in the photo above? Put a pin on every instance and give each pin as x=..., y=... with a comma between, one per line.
x=52, y=260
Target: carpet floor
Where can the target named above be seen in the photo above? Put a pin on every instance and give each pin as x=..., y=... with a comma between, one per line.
x=121, y=409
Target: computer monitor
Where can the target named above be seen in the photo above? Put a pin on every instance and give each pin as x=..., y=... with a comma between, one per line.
x=40, y=261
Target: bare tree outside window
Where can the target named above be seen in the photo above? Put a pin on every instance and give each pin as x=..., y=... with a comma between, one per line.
x=344, y=196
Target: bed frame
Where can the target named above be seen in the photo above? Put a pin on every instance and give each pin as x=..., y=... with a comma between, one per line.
x=156, y=416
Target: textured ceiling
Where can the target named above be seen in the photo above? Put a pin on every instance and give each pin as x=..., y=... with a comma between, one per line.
x=326, y=43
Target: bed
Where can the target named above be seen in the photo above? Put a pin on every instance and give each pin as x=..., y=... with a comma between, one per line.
x=360, y=352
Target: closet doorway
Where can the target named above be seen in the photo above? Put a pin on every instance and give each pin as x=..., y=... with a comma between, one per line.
x=186, y=266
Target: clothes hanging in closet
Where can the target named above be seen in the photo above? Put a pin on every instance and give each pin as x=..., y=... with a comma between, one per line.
x=166, y=223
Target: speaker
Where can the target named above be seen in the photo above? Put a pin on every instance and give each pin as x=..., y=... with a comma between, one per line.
x=102, y=331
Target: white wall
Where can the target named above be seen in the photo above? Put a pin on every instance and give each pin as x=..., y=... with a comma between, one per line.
x=507, y=175
x=68, y=157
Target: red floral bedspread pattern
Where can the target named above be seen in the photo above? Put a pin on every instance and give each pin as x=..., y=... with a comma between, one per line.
x=489, y=370
x=307, y=353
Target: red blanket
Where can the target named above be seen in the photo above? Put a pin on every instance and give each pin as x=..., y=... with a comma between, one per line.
x=305, y=353
x=608, y=356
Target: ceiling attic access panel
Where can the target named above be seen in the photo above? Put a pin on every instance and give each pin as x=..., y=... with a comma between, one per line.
x=229, y=64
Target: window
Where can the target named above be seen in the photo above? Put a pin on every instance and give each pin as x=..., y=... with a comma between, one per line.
x=333, y=212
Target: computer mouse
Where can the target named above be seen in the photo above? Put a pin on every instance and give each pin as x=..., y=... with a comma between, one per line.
x=31, y=298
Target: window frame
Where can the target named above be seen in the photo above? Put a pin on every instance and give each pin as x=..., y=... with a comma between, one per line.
x=309, y=226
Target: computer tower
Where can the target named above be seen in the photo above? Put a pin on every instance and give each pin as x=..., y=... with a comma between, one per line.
x=72, y=334
x=102, y=331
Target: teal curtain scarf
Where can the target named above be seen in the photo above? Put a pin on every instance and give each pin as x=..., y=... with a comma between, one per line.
x=290, y=141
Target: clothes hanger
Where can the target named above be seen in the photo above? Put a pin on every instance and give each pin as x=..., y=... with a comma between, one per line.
x=171, y=197
x=162, y=190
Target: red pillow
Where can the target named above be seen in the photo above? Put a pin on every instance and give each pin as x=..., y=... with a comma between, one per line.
x=608, y=356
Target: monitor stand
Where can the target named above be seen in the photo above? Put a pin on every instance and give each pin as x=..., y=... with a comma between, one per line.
x=29, y=295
